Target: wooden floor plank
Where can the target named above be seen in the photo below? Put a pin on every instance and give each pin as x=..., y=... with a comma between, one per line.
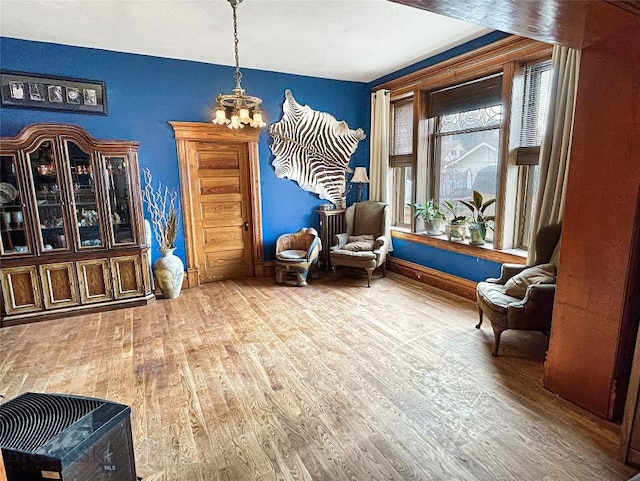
x=248, y=380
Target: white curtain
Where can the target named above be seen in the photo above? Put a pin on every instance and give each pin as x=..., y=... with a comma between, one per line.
x=379, y=188
x=556, y=142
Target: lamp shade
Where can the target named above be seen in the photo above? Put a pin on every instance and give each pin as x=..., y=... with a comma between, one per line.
x=360, y=176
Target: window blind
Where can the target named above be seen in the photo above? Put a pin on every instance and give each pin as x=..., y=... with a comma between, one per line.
x=535, y=102
x=402, y=138
x=467, y=96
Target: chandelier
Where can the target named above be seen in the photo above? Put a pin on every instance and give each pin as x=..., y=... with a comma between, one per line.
x=244, y=109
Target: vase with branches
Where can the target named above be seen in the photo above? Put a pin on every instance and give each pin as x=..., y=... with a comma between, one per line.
x=164, y=209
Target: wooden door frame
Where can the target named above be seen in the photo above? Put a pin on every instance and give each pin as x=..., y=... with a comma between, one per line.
x=187, y=133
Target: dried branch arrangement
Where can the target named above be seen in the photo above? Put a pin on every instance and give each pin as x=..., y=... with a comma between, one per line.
x=163, y=206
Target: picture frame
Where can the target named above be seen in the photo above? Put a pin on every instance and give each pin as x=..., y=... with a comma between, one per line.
x=35, y=91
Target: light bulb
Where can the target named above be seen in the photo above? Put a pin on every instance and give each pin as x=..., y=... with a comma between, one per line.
x=244, y=115
x=221, y=117
x=257, y=119
x=235, y=121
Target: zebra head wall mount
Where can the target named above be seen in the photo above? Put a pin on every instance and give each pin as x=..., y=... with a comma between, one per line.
x=238, y=109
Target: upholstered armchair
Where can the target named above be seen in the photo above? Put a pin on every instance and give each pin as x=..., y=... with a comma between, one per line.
x=297, y=255
x=364, y=244
x=522, y=298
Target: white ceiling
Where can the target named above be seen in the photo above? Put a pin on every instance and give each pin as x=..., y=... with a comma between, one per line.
x=358, y=40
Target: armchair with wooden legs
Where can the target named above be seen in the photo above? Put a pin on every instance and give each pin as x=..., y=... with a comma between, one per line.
x=522, y=298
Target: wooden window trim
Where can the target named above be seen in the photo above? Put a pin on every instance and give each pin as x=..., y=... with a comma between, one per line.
x=481, y=62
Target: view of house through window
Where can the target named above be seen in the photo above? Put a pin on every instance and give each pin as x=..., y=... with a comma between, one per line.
x=460, y=153
x=467, y=155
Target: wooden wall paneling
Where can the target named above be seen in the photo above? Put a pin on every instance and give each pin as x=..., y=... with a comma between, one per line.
x=59, y=287
x=432, y=277
x=21, y=289
x=587, y=329
x=127, y=276
x=94, y=280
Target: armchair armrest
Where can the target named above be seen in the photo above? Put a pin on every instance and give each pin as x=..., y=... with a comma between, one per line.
x=507, y=271
x=536, y=309
x=339, y=241
x=315, y=246
x=379, y=243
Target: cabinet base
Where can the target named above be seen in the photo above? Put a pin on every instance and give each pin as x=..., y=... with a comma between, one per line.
x=16, y=319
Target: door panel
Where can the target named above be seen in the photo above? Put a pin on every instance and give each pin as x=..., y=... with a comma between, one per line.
x=21, y=289
x=220, y=191
x=59, y=285
x=222, y=209
x=127, y=276
x=94, y=281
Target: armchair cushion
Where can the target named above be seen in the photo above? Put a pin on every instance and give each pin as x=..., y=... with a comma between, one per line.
x=359, y=246
x=541, y=274
x=293, y=255
x=359, y=238
x=494, y=295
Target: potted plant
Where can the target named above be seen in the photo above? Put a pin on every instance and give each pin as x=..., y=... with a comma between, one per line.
x=479, y=222
x=431, y=215
x=456, y=227
x=163, y=208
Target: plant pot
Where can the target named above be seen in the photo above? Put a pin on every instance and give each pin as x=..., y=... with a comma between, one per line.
x=433, y=227
x=477, y=233
x=169, y=272
x=455, y=232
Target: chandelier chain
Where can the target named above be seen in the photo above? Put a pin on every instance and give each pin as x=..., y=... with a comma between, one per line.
x=237, y=74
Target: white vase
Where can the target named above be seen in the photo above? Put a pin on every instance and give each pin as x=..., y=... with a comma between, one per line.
x=169, y=272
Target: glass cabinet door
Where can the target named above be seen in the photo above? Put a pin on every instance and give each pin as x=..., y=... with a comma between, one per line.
x=13, y=217
x=86, y=201
x=119, y=200
x=51, y=212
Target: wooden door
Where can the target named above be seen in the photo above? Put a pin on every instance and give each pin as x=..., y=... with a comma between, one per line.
x=219, y=182
x=222, y=211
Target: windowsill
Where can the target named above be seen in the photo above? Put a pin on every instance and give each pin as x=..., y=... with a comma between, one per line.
x=486, y=251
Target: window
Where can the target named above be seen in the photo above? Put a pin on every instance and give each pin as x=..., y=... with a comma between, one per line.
x=470, y=134
x=529, y=113
x=466, y=155
x=466, y=121
x=401, y=161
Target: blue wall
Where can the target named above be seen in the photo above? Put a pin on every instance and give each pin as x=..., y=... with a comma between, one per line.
x=144, y=93
x=468, y=267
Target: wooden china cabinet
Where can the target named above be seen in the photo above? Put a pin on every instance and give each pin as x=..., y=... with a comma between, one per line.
x=71, y=225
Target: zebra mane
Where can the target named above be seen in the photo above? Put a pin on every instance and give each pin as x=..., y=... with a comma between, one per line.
x=313, y=149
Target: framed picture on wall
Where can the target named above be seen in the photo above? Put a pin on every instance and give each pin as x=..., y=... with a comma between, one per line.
x=35, y=91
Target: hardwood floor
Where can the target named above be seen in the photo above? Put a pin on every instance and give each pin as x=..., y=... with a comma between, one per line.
x=248, y=380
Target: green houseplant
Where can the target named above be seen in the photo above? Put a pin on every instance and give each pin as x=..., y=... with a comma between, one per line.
x=479, y=221
x=456, y=227
x=430, y=214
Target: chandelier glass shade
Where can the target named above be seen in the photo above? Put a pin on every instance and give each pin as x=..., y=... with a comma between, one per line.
x=237, y=109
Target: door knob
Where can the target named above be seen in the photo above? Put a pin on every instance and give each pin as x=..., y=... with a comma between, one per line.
x=246, y=226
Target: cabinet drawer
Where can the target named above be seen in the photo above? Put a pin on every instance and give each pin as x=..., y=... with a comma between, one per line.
x=94, y=281
x=21, y=290
x=59, y=286
x=127, y=276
